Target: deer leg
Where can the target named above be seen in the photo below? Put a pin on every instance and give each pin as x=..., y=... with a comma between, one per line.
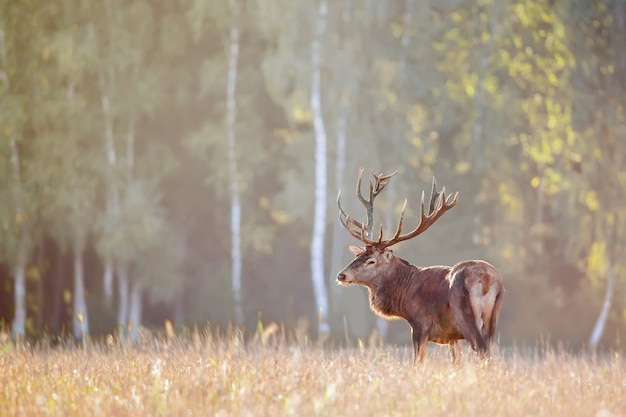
x=464, y=316
x=466, y=306
x=456, y=353
x=419, y=343
x=493, y=323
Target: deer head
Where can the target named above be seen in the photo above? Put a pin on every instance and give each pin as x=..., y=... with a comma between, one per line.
x=368, y=266
x=374, y=258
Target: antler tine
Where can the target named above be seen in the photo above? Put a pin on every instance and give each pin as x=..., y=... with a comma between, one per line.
x=345, y=218
x=368, y=204
x=354, y=227
x=358, y=187
x=381, y=182
x=434, y=195
x=361, y=231
x=438, y=205
x=377, y=183
x=399, y=228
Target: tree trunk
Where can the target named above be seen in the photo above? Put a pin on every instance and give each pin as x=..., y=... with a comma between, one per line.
x=235, y=203
x=19, y=321
x=122, y=306
x=598, y=329
x=107, y=281
x=134, y=319
x=112, y=201
x=319, y=223
x=80, y=319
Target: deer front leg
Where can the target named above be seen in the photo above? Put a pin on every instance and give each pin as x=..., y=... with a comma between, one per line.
x=418, y=335
x=456, y=353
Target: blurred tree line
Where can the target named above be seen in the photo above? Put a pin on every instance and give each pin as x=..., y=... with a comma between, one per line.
x=181, y=159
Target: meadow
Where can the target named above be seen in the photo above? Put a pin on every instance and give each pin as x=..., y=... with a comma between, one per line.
x=210, y=372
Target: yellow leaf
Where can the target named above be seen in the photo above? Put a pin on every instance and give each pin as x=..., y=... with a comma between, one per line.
x=535, y=182
x=591, y=200
x=596, y=261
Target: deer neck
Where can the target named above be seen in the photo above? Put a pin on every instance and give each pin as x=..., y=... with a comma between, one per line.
x=387, y=293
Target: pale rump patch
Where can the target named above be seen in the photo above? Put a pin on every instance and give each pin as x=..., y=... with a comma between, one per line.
x=482, y=299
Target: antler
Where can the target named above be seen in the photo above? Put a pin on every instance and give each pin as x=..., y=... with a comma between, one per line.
x=359, y=230
x=437, y=206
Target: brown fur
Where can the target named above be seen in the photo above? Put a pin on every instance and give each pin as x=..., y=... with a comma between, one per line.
x=442, y=304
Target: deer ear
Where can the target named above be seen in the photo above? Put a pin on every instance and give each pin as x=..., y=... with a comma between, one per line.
x=388, y=254
x=356, y=250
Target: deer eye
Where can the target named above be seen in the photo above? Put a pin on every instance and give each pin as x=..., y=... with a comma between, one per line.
x=370, y=261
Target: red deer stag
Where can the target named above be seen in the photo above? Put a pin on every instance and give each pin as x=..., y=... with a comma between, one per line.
x=442, y=304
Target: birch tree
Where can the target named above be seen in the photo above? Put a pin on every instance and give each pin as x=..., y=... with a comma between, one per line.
x=319, y=220
x=106, y=80
x=80, y=318
x=598, y=328
x=19, y=67
x=235, y=201
x=70, y=206
x=19, y=270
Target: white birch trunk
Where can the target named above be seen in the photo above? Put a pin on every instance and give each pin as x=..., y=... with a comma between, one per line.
x=107, y=281
x=112, y=203
x=80, y=319
x=134, y=318
x=598, y=329
x=235, y=203
x=136, y=288
x=122, y=304
x=319, y=223
x=19, y=320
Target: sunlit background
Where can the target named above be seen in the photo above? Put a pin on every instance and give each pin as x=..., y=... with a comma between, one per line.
x=180, y=160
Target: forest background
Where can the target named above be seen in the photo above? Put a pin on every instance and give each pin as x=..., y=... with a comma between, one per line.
x=180, y=160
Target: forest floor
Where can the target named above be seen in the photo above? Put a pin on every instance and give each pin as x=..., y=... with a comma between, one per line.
x=218, y=373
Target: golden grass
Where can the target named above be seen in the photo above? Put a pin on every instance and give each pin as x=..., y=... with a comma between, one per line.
x=218, y=374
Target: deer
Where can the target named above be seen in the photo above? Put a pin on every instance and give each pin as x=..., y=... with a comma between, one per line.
x=442, y=304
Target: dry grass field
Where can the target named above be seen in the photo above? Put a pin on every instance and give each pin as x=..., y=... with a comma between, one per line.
x=211, y=373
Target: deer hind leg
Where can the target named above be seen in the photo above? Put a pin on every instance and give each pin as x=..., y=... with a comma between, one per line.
x=493, y=320
x=484, y=307
x=464, y=315
x=465, y=296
